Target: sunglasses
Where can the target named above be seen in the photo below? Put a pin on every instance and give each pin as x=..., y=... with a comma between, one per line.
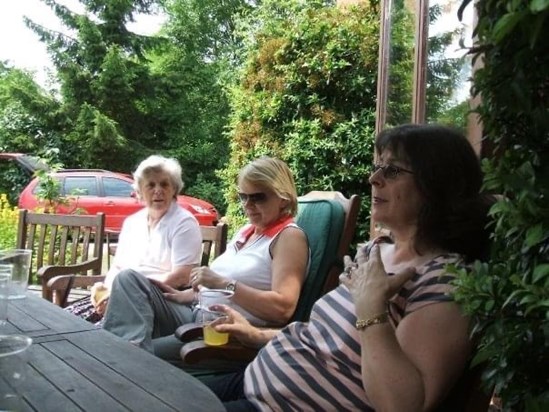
x=390, y=171
x=255, y=198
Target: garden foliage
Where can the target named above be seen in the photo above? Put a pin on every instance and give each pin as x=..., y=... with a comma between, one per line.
x=509, y=296
x=8, y=223
x=306, y=91
x=306, y=94
x=118, y=96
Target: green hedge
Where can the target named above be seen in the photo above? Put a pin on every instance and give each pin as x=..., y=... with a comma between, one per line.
x=509, y=296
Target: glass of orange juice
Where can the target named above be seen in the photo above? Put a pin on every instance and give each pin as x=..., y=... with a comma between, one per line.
x=209, y=318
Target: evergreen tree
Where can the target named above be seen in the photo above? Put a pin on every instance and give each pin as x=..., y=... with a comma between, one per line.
x=105, y=84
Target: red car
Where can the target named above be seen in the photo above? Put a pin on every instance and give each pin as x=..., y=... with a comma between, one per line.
x=89, y=191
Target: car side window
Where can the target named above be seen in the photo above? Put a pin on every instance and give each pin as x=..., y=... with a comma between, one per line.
x=80, y=186
x=36, y=188
x=117, y=187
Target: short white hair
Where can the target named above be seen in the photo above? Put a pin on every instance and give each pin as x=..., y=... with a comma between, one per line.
x=157, y=163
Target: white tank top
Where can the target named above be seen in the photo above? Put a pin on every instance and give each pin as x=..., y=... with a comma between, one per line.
x=251, y=265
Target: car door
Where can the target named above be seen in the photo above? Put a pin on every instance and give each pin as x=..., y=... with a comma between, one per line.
x=119, y=201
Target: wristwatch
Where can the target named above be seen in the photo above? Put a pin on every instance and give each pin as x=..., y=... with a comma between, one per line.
x=231, y=286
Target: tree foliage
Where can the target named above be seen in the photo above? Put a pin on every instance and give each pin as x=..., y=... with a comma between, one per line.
x=104, y=78
x=509, y=296
x=123, y=96
x=195, y=60
x=301, y=77
x=28, y=117
x=306, y=94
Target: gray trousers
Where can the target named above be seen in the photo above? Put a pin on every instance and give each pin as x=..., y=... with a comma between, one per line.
x=138, y=312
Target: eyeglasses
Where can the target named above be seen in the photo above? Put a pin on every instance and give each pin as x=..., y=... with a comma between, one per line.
x=390, y=171
x=255, y=198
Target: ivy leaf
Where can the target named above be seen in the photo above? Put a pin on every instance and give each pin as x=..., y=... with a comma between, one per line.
x=538, y=5
x=538, y=305
x=512, y=297
x=534, y=235
x=536, y=27
x=505, y=25
x=541, y=271
x=528, y=299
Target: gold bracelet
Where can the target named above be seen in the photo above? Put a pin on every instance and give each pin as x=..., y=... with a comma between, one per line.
x=362, y=324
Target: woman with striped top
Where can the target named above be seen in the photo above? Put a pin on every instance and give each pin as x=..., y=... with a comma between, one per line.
x=389, y=337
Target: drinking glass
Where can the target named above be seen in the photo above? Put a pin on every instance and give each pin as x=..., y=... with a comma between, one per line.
x=207, y=298
x=20, y=259
x=5, y=279
x=13, y=365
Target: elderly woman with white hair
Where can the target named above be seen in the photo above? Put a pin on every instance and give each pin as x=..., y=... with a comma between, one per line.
x=162, y=241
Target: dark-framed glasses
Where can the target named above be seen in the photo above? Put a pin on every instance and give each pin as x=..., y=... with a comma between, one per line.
x=390, y=171
x=259, y=197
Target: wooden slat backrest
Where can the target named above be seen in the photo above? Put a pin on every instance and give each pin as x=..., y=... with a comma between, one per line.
x=214, y=239
x=61, y=240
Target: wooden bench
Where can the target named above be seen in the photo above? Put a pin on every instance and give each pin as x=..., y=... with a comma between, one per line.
x=61, y=245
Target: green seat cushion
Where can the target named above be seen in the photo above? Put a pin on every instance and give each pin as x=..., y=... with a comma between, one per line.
x=322, y=221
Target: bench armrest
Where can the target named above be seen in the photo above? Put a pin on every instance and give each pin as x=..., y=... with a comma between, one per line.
x=46, y=273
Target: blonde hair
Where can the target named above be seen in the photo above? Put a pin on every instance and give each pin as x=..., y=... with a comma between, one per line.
x=275, y=175
x=157, y=163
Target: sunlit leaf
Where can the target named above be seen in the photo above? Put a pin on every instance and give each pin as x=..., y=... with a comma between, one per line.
x=505, y=25
x=540, y=271
x=538, y=5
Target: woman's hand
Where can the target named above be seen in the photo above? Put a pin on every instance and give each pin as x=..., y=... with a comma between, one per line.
x=183, y=297
x=99, y=297
x=237, y=326
x=369, y=284
x=204, y=276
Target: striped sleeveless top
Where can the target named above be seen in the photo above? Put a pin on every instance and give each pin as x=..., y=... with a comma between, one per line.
x=315, y=366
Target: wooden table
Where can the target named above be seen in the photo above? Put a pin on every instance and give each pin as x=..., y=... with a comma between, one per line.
x=36, y=317
x=74, y=366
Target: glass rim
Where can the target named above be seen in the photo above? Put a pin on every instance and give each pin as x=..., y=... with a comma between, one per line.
x=216, y=293
x=15, y=250
x=17, y=344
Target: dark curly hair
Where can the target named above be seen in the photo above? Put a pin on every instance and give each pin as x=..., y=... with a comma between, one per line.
x=448, y=174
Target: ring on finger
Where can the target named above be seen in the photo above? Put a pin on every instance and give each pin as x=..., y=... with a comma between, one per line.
x=349, y=270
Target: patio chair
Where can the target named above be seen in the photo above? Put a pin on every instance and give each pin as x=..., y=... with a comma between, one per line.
x=61, y=244
x=214, y=243
x=329, y=220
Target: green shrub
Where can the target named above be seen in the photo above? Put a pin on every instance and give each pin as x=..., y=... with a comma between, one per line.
x=509, y=296
x=306, y=94
x=8, y=223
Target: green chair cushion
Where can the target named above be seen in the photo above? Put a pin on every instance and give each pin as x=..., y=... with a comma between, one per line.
x=322, y=220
